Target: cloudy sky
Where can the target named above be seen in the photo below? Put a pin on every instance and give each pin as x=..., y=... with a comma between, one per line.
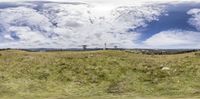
x=122, y=23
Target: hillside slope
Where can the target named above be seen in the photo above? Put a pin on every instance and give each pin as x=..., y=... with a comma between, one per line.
x=97, y=73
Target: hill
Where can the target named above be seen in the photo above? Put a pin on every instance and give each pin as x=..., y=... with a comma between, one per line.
x=97, y=75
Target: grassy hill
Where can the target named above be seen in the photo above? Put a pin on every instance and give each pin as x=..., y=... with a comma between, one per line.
x=97, y=75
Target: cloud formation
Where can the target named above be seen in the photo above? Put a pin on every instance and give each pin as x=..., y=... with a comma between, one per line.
x=195, y=18
x=72, y=25
x=174, y=39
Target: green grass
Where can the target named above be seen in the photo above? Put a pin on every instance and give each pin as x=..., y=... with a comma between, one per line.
x=98, y=75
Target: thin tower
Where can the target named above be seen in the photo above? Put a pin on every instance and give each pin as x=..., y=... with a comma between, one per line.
x=105, y=46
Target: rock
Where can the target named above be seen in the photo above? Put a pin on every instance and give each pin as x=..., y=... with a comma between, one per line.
x=165, y=68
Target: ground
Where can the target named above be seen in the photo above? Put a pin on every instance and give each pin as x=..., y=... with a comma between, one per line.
x=98, y=75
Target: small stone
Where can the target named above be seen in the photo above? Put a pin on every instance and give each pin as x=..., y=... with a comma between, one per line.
x=165, y=68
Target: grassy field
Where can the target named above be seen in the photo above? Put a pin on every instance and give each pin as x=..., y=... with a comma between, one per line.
x=98, y=75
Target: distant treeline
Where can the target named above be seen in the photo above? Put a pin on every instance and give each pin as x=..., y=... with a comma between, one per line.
x=59, y=49
x=143, y=51
x=165, y=51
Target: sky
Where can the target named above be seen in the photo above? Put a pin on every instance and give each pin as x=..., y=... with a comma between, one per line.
x=104, y=1
x=168, y=24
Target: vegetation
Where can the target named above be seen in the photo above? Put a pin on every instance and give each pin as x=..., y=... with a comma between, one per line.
x=97, y=75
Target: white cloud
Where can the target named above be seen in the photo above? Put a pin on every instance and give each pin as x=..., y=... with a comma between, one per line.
x=68, y=25
x=62, y=25
x=138, y=16
x=174, y=39
x=195, y=19
x=112, y=2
